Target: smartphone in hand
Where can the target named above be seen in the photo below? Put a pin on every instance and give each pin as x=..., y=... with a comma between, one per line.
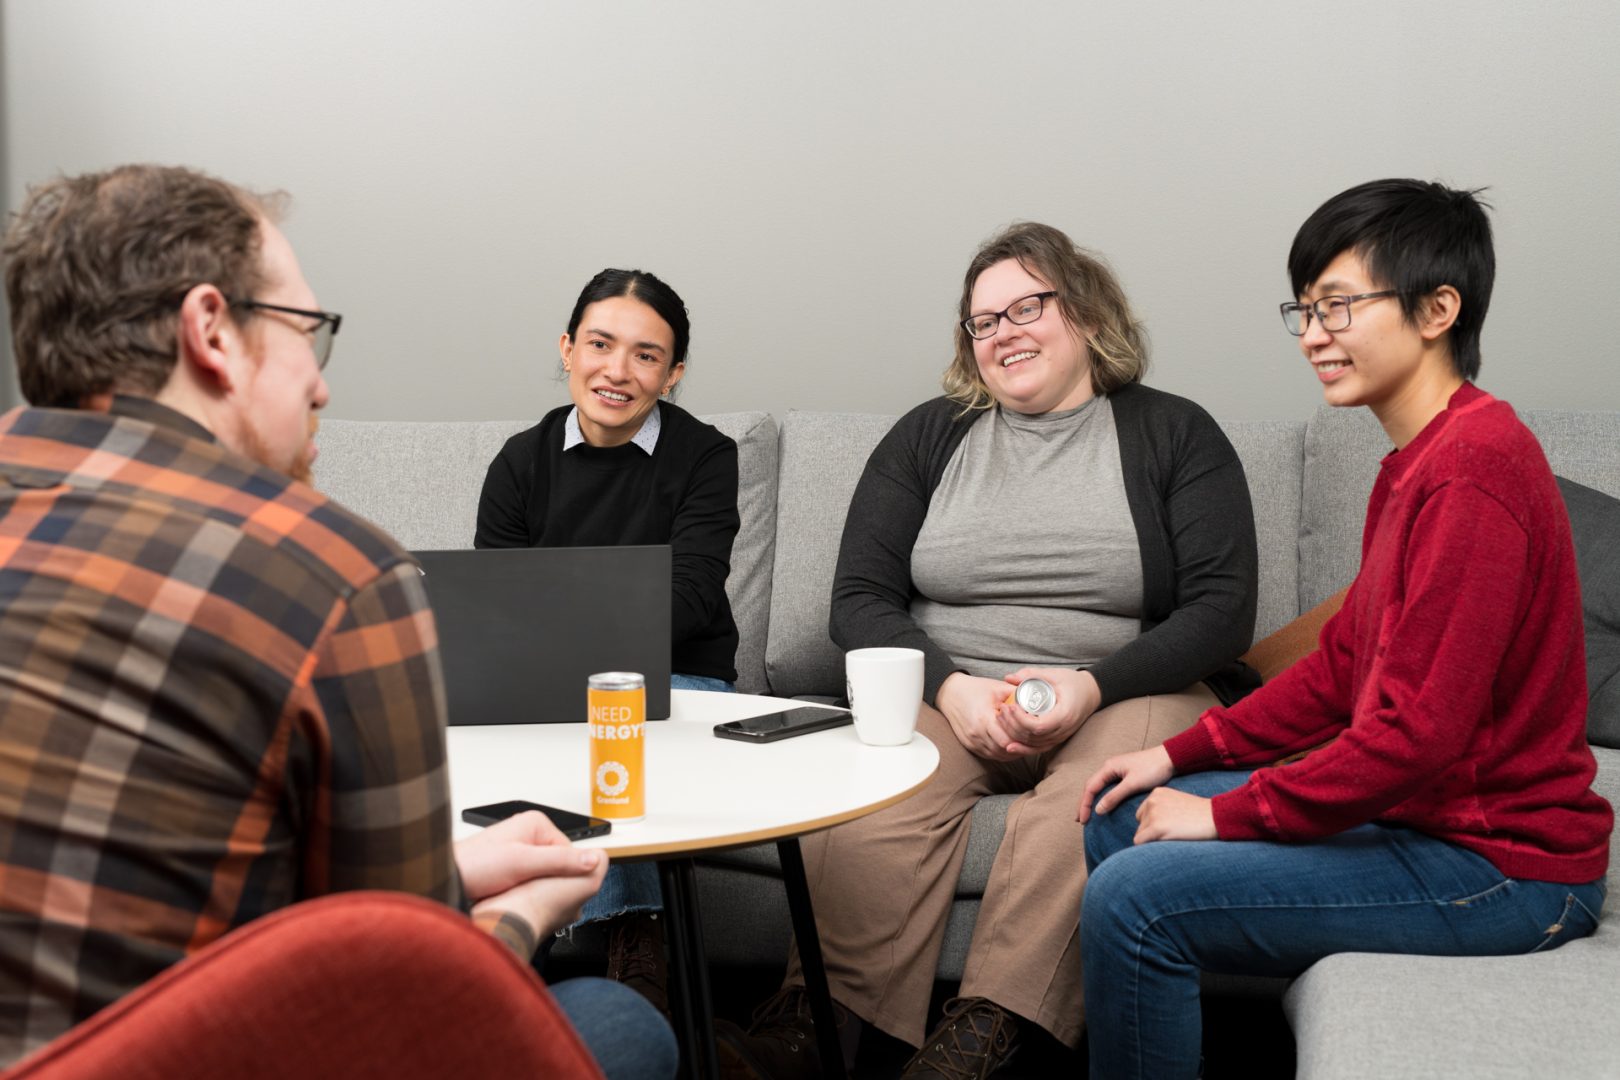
x=572, y=825
x=784, y=725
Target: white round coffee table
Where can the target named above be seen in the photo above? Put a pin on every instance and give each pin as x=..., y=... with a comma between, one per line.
x=704, y=794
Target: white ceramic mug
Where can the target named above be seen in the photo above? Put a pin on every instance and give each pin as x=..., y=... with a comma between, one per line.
x=885, y=691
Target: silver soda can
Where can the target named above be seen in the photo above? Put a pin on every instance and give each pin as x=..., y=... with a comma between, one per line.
x=1036, y=696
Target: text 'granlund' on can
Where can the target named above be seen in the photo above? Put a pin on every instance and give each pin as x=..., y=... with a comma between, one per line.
x=616, y=714
x=1036, y=696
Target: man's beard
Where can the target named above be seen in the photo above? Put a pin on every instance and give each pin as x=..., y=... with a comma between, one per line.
x=302, y=467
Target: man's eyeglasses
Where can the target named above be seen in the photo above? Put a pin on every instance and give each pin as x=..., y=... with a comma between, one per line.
x=1018, y=313
x=1331, y=312
x=325, y=328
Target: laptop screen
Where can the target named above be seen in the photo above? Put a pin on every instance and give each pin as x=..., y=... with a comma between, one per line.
x=521, y=629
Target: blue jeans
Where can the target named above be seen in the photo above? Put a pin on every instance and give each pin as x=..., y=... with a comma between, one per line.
x=623, y=1032
x=1156, y=915
x=701, y=682
x=630, y=888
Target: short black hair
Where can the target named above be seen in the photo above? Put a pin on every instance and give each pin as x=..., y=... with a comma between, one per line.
x=646, y=288
x=1414, y=236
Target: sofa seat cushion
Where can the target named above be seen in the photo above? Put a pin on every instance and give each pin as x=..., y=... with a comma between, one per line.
x=1357, y=1015
x=1551, y=1014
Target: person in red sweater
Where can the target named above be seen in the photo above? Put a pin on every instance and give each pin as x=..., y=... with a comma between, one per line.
x=1443, y=802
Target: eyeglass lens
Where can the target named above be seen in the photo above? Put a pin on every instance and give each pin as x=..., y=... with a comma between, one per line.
x=1333, y=311
x=1019, y=313
x=323, y=343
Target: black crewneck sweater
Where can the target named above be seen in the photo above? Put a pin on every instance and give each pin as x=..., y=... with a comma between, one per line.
x=683, y=494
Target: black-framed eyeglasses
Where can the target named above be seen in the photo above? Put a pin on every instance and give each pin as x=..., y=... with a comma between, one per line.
x=325, y=328
x=1019, y=312
x=1331, y=312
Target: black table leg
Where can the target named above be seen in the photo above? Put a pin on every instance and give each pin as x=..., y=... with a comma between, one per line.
x=809, y=945
x=690, y=1004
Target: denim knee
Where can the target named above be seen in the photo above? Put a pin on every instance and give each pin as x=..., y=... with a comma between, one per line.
x=1124, y=885
x=626, y=1035
x=1102, y=908
x=1110, y=832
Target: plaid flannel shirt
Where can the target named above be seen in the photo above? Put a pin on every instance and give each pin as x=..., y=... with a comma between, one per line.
x=219, y=694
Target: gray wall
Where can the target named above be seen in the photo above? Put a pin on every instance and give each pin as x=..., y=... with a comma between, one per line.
x=8, y=372
x=814, y=177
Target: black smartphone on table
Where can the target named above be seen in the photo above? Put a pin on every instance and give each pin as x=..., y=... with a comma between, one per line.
x=572, y=825
x=784, y=725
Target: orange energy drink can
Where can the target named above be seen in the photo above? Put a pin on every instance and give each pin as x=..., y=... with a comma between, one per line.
x=616, y=713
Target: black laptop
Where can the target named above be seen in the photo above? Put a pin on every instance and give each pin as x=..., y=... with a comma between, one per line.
x=521, y=629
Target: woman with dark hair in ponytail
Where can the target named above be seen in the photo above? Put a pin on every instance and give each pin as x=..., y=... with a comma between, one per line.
x=624, y=465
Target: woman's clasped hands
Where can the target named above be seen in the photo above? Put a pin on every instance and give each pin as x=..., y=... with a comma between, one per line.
x=988, y=721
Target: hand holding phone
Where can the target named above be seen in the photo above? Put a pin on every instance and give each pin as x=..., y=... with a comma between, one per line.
x=525, y=866
x=573, y=826
x=784, y=725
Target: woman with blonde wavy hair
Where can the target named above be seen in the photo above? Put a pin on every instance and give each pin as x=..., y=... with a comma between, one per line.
x=1048, y=518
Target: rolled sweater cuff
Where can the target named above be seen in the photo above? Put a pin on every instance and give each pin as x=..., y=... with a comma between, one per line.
x=1195, y=749
x=1242, y=814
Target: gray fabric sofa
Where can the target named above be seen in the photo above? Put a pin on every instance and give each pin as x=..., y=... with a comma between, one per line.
x=1354, y=1015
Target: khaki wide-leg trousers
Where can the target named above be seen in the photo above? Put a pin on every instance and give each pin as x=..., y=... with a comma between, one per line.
x=882, y=886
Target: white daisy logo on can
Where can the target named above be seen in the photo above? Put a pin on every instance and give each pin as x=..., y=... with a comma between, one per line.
x=612, y=778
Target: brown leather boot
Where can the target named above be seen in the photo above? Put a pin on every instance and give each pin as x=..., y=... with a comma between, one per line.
x=779, y=1045
x=636, y=957
x=974, y=1039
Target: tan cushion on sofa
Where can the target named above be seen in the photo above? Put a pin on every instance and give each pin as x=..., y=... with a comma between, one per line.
x=1275, y=653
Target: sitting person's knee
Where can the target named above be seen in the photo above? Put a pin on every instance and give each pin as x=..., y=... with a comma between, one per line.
x=1108, y=833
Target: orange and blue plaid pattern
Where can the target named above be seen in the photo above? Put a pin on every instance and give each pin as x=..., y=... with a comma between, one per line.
x=219, y=694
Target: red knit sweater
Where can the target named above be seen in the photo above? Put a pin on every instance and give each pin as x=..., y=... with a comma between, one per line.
x=1453, y=680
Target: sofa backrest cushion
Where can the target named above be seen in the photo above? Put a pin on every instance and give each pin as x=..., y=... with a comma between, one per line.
x=1344, y=446
x=1594, y=519
x=822, y=456
x=1585, y=448
x=754, y=553
x=420, y=481
x=1342, y=450
x=1271, y=451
